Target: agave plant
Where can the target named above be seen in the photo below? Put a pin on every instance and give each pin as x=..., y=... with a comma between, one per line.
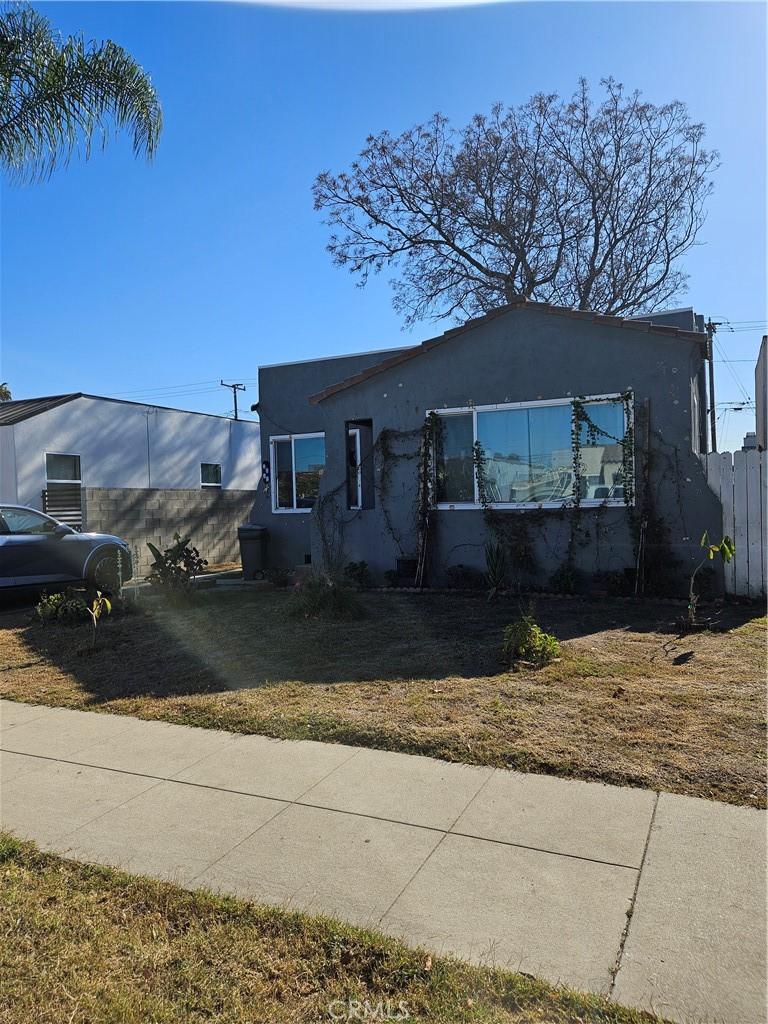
x=495, y=568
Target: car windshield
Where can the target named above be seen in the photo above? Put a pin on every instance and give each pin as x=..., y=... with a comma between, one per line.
x=25, y=520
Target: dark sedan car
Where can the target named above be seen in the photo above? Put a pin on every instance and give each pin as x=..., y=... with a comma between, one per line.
x=36, y=550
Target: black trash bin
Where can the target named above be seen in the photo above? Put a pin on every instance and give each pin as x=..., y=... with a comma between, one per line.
x=253, y=550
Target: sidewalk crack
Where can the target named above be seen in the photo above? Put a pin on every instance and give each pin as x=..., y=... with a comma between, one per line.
x=438, y=844
x=631, y=911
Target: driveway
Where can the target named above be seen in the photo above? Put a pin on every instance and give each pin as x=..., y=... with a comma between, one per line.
x=655, y=900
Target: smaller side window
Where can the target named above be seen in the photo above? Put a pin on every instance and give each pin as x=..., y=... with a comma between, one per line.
x=297, y=464
x=210, y=474
x=62, y=468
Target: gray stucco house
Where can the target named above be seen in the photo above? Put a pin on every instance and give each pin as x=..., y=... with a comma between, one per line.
x=570, y=437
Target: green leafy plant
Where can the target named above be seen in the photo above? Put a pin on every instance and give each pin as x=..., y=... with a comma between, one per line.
x=278, y=576
x=319, y=597
x=495, y=568
x=359, y=575
x=525, y=641
x=99, y=607
x=726, y=549
x=64, y=607
x=176, y=567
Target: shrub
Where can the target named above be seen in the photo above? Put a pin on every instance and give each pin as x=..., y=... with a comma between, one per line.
x=278, y=576
x=615, y=582
x=317, y=597
x=524, y=640
x=391, y=578
x=66, y=607
x=464, y=577
x=359, y=574
x=175, y=567
x=565, y=580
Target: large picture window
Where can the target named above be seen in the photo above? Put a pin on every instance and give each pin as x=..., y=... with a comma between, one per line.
x=297, y=463
x=528, y=454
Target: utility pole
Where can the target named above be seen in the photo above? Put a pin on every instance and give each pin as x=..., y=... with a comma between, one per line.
x=711, y=328
x=235, y=389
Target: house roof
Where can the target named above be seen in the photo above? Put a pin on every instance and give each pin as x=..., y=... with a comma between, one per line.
x=22, y=409
x=403, y=355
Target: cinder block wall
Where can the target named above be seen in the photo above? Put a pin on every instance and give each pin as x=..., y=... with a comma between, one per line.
x=211, y=517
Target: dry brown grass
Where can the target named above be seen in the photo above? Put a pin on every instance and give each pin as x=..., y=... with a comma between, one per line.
x=630, y=702
x=88, y=945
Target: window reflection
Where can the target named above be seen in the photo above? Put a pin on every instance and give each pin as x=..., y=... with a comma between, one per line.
x=528, y=453
x=455, y=460
x=600, y=451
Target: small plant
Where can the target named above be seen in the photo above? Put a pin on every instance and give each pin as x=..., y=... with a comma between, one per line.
x=391, y=578
x=99, y=607
x=495, y=568
x=525, y=641
x=65, y=607
x=176, y=567
x=358, y=574
x=278, y=576
x=318, y=597
x=726, y=549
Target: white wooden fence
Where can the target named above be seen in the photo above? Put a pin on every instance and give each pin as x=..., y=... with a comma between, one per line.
x=740, y=481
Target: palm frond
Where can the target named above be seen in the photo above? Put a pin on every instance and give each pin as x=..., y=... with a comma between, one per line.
x=56, y=94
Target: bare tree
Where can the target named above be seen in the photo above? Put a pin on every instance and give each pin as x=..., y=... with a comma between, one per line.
x=583, y=205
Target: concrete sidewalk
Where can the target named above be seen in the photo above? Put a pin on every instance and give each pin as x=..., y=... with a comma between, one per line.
x=655, y=900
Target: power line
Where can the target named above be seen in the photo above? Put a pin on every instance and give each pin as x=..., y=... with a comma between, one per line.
x=737, y=380
x=165, y=388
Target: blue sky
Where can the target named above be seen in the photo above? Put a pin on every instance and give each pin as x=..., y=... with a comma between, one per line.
x=120, y=277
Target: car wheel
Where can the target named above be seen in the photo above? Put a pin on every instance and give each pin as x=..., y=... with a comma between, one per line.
x=103, y=574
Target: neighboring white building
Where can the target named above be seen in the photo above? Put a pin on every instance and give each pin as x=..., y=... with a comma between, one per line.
x=761, y=399
x=140, y=471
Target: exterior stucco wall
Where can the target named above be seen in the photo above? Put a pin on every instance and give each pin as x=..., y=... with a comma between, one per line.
x=122, y=445
x=284, y=408
x=761, y=396
x=211, y=517
x=524, y=355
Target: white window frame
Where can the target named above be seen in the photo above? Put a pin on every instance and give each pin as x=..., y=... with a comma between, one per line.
x=355, y=432
x=274, y=438
x=543, y=403
x=215, y=487
x=56, y=480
